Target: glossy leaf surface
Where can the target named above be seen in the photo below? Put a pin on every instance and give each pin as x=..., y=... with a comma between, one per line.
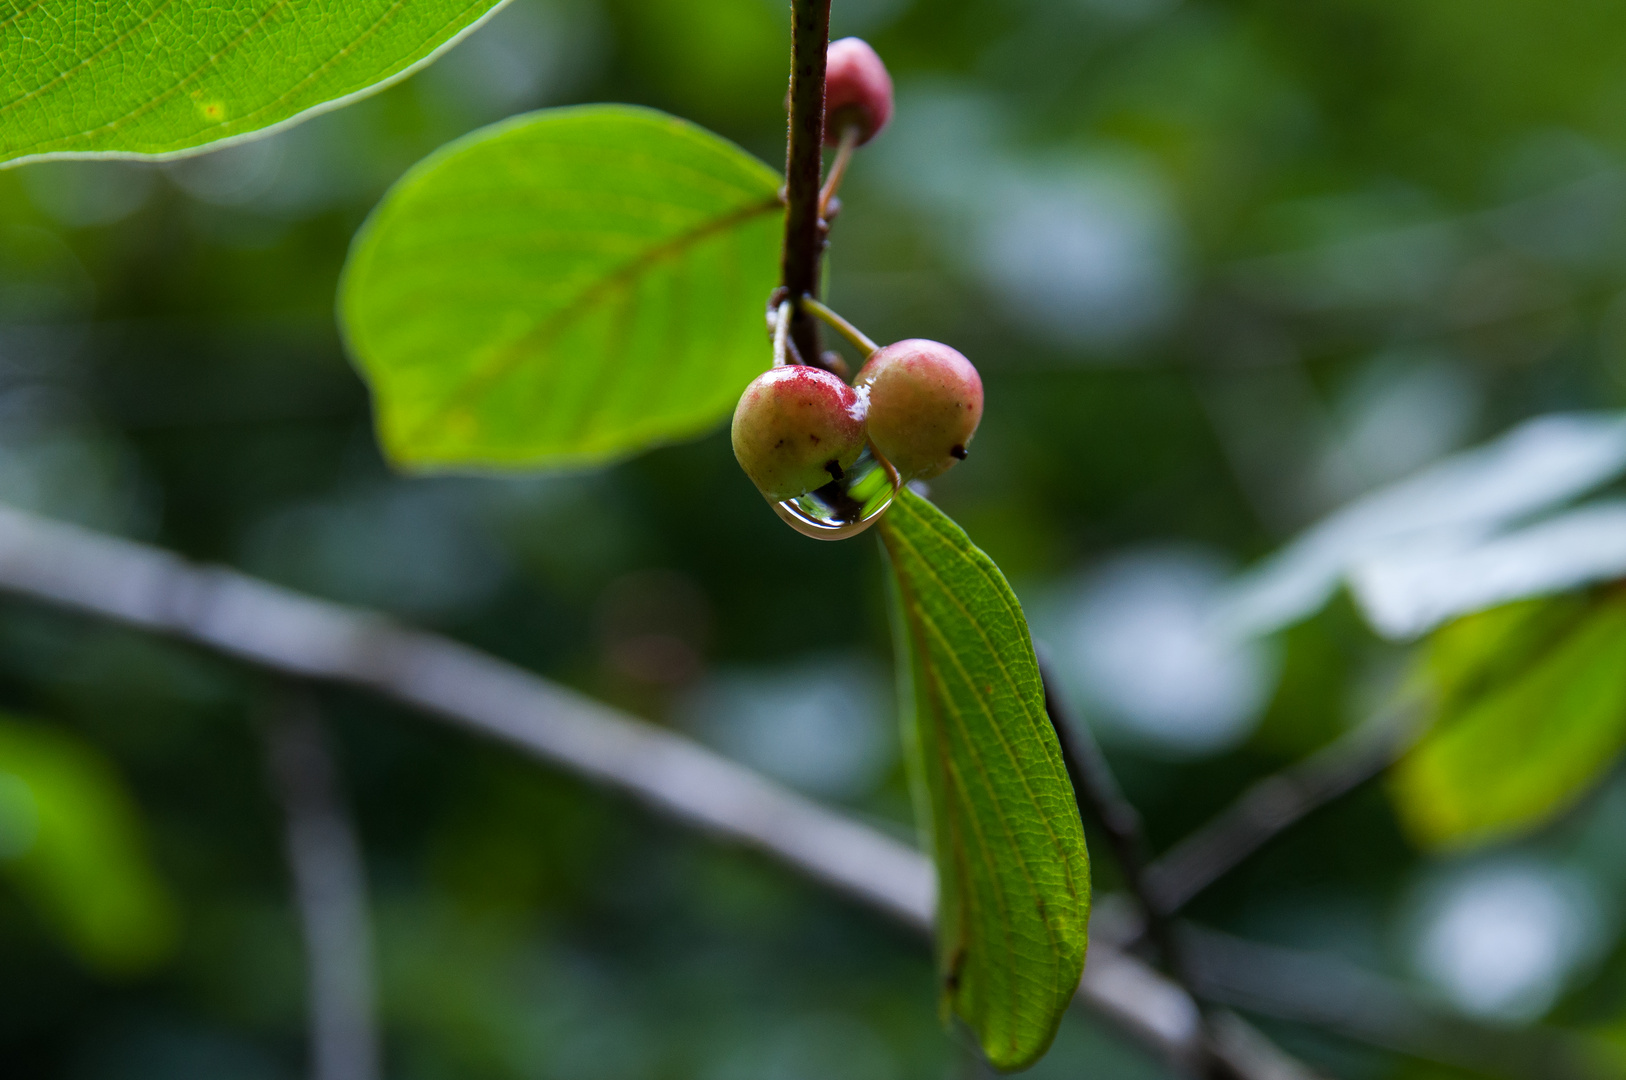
x=167, y=76
x=1531, y=712
x=1013, y=873
x=563, y=288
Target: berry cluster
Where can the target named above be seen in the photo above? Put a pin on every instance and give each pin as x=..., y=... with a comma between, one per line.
x=916, y=404
x=798, y=428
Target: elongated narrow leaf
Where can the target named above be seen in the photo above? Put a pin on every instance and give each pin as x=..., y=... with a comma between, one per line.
x=167, y=76
x=1531, y=713
x=1013, y=873
x=562, y=288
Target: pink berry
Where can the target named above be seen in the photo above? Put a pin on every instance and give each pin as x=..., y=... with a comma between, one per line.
x=925, y=402
x=796, y=429
x=857, y=90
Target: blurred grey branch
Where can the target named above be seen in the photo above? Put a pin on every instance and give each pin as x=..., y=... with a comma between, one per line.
x=1331, y=994
x=330, y=890
x=296, y=635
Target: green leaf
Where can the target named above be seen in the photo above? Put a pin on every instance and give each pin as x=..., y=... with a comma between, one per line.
x=1481, y=654
x=70, y=840
x=1013, y=874
x=563, y=288
x=1530, y=711
x=141, y=77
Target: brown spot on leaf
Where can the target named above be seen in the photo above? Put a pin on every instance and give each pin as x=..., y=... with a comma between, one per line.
x=951, y=977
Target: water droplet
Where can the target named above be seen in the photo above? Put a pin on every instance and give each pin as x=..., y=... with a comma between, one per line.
x=844, y=507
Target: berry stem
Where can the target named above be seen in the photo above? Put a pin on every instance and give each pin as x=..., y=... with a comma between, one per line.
x=838, y=168
x=781, y=333
x=804, y=235
x=841, y=326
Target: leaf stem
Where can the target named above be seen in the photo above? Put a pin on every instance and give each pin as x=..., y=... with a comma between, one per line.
x=804, y=229
x=860, y=340
x=838, y=169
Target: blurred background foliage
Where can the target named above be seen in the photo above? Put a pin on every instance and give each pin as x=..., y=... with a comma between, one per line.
x=1224, y=264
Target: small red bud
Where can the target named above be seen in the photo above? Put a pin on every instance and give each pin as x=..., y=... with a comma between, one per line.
x=857, y=90
x=925, y=402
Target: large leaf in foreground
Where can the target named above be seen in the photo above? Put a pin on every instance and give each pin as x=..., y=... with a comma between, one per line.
x=563, y=288
x=1013, y=875
x=168, y=76
x=1530, y=713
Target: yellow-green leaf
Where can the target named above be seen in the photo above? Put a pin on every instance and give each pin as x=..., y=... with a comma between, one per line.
x=563, y=288
x=1013, y=873
x=139, y=77
x=1530, y=711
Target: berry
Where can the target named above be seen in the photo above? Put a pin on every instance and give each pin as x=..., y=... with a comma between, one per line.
x=857, y=89
x=796, y=429
x=925, y=402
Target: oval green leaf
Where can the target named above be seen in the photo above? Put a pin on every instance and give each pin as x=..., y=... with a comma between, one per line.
x=167, y=77
x=1013, y=874
x=1529, y=714
x=563, y=288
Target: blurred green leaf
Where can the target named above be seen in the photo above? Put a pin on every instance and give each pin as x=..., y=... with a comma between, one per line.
x=163, y=77
x=71, y=840
x=1013, y=872
x=563, y=288
x=1530, y=711
x=676, y=47
x=1611, y=1045
x=1480, y=655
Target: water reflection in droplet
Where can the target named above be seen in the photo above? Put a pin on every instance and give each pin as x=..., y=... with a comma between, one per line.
x=844, y=507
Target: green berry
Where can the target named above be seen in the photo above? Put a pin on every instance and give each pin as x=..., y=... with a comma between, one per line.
x=925, y=402
x=796, y=429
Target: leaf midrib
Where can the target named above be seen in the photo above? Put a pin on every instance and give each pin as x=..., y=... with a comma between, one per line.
x=922, y=622
x=539, y=337
x=999, y=660
x=966, y=820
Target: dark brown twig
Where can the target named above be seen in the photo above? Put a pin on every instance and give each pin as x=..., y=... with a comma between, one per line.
x=1224, y=1053
x=804, y=163
x=1099, y=796
x=1277, y=802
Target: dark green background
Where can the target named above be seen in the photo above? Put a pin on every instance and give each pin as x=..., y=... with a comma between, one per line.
x=1326, y=198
